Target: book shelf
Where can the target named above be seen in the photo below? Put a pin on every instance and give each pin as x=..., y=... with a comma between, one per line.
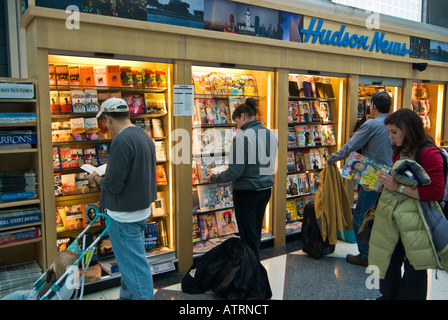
x=312, y=137
x=22, y=220
x=78, y=86
x=217, y=92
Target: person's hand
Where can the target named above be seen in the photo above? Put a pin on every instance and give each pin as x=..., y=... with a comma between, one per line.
x=388, y=181
x=332, y=159
x=208, y=177
x=91, y=176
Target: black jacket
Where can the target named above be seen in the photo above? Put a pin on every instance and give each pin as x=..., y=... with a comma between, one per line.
x=231, y=270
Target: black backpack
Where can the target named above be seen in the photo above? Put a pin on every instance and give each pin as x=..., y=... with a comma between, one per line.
x=444, y=201
x=231, y=270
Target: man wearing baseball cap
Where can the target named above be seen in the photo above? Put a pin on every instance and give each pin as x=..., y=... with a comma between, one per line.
x=127, y=190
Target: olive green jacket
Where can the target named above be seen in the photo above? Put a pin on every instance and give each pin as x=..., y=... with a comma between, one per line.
x=420, y=225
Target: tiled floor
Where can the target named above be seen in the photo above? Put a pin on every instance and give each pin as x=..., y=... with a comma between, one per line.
x=293, y=275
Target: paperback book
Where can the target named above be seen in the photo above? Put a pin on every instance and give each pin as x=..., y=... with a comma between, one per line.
x=78, y=129
x=101, y=170
x=78, y=101
x=158, y=206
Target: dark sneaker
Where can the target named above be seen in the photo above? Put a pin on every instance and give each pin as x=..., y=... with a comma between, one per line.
x=358, y=259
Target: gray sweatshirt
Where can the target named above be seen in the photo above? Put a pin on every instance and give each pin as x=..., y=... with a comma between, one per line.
x=252, y=158
x=130, y=180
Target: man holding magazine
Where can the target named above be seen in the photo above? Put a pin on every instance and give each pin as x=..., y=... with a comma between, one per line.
x=128, y=188
x=373, y=138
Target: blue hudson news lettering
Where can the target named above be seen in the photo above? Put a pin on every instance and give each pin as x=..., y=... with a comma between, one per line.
x=342, y=38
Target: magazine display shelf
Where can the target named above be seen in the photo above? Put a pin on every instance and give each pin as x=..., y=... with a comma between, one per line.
x=217, y=92
x=22, y=216
x=311, y=135
x=427, y=102
x=145, y=111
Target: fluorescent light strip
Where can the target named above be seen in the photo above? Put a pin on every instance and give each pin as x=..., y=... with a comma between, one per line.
x=440, y=98
x=170, y=167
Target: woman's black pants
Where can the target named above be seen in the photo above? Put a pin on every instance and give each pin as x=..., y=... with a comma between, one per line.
x=412, y=285
x=250, y=206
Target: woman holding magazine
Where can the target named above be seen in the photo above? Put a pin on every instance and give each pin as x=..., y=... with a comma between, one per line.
x=408, y=137
x=251, y=169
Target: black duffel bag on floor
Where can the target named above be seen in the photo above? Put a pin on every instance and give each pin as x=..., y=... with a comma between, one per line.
x=231, y=270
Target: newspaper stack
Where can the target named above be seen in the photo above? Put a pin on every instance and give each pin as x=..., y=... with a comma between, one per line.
x=18, y=185
x=18, y=277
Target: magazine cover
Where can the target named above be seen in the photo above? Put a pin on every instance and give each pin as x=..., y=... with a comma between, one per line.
x=291, y=210
x=304, y=111
x=226, y=222
x=223, y=139
x=196, y=229
x=292, y=138
x=364, y=171
x=201, y=83
x=314, y=181
x=290, y=162
x=293, y=112
x=300, y=206
x=206, y=194
x=223, y=115
x=300, y=160
x=218, y=84
x=292, y=188
x=208, y=226
x=303, y=184
x=325, y=111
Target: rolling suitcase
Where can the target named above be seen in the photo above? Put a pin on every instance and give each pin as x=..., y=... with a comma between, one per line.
x=312, y=242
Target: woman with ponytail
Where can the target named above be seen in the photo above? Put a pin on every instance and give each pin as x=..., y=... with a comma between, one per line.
x=251, y=169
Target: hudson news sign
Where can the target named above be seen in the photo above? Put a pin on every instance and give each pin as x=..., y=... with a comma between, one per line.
x=343, y=38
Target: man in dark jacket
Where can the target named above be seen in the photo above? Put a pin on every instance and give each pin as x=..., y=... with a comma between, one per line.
x=127, y=190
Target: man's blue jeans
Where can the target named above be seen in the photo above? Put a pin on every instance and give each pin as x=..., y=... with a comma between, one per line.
x=366, y=200
x=128, y=243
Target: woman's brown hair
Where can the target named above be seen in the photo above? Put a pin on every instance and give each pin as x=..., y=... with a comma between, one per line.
x=412, y=126
x=249, y=107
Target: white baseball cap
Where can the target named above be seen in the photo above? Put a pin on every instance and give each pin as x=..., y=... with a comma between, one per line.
x=113, y=105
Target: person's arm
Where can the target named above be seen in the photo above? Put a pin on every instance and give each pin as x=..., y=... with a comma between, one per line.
x=356, y=142
x=432, y=163
x=431, y=160
x=238, y=159
x=118, y=166
x=389, y=182
x=92, y=178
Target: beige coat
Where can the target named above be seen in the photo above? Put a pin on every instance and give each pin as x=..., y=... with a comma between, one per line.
x=332, y=205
